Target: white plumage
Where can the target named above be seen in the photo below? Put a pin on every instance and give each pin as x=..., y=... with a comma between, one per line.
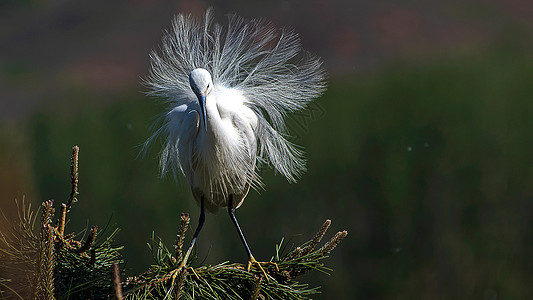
x=250, y=75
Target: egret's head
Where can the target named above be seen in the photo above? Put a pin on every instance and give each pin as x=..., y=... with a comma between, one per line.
x=201, y=84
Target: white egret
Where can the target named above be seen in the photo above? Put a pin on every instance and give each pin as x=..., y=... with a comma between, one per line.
x=228, y=90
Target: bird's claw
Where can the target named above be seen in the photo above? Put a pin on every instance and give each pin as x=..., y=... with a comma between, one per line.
x=181, y=265
x=266, y=263
x=181, y=268
x=173, y=275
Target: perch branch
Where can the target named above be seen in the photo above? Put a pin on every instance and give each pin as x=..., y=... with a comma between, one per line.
x=232, y=281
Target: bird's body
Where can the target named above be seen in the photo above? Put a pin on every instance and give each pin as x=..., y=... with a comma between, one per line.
x=219, y=161
x=228, y=117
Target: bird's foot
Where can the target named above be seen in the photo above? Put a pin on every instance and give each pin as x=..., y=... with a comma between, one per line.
x=180, y=268
x=182, y=264
x=174, y=273
x=265, y=263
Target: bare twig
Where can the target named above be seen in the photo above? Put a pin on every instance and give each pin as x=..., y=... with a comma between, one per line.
x=90, y=240
x=117, y=284
x=73, y=177
x=60, y=226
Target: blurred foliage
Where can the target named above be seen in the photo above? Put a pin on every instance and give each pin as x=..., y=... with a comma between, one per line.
x=426, y=161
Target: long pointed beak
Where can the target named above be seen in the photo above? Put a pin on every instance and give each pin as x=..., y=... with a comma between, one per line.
x=201, y=99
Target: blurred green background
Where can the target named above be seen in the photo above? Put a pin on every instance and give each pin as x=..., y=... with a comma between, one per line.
x=421, y=147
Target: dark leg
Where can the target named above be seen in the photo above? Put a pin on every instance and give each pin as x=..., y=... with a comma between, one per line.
x=231, y=212
x=201, y=222
x=251, y=258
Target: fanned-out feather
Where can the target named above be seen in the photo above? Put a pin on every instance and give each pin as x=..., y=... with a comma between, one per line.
x=266, y=64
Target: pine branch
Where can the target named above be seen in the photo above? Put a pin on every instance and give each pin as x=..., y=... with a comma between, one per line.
x=232, y=281
x=50, y=264
x=117, y=284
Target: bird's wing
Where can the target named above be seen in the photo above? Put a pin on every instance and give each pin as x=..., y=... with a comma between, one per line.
x=171, y=129
x=246, y=122
x=185, y=144
x=174, y=120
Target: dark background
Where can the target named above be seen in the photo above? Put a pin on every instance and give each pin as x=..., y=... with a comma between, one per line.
x=420, y=148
